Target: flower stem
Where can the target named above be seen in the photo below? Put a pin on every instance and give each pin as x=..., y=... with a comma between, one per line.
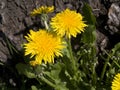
x=117, y=64
x=72, y=60
x=105, y=65
x=46, y=25
x=104, y=69
x=44, y=18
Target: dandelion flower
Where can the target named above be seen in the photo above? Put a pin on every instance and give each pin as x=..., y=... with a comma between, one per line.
x=68, y=23
x=42, y=10
x=43, y=46
x=116, y=82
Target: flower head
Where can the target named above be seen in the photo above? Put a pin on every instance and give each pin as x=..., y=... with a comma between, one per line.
x=68, y=23
x=116, y=82
x=43, y=46
x=42, y=10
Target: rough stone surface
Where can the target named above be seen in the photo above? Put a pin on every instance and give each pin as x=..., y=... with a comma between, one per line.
x=114, y=18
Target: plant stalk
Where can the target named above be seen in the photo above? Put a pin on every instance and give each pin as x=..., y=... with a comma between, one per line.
x=105, y=65
x=72, y=60
x=46, y=24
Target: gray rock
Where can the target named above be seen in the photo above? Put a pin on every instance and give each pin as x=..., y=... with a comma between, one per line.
x=114, y=18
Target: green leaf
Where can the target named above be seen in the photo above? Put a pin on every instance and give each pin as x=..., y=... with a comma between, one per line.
x=38, y=69
x=88, y=15
x=55, y=75
x=68, y=65
x=55, y=71
x=25, y=70
x=89, y=36
x=61, y=86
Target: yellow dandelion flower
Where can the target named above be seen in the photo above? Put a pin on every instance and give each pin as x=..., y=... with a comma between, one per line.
x=116, y=82
x=34, y=63
x=68, y=23
x=43, y=46
x=42, y=10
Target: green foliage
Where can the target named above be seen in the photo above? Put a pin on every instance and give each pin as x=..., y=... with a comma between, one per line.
x=25, y=70
x=114, y=55
x=76, y=70
x=87, y=12
x=89, y=36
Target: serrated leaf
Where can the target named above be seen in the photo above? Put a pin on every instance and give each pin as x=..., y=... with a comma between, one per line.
x=88, y=15
x=89, y=36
